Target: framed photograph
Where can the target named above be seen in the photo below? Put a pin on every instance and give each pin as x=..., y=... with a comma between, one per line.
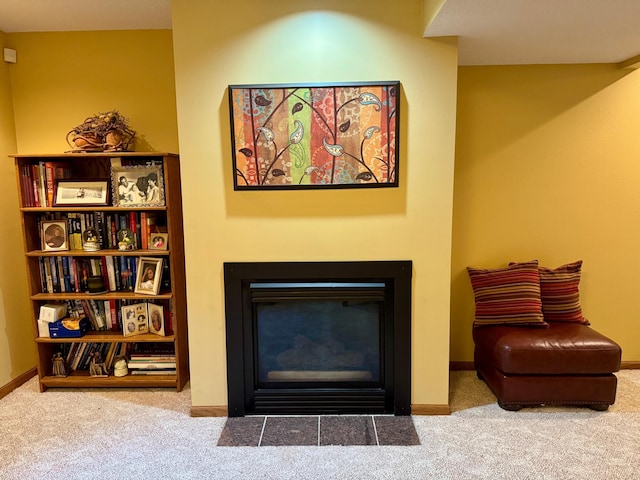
x=148, y=276
x=82, y=193
x=158, y=241
x=137, y=186
x=156, y=319
x=54, y=235
x=135, y=319
x=298, y=136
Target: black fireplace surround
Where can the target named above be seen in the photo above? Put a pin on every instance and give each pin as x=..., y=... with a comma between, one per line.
x=318, y=337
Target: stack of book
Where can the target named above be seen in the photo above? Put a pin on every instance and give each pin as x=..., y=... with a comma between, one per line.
x=152, y=361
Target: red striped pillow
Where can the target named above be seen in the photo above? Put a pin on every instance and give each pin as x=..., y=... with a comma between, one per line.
x=559, y=290
x=508, y=296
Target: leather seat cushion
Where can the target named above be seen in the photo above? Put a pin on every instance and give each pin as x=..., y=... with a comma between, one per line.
x=563, y=348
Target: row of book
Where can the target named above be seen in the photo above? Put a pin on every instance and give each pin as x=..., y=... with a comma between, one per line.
x=141, y=224
x=78, y=355
x=108, y=314
x=38, y=181
x=68, y=274
x=152, y=359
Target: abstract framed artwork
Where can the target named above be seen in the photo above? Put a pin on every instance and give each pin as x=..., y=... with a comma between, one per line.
x=298, y=136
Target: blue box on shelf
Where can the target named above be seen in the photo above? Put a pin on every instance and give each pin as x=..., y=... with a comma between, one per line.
x=69, y=328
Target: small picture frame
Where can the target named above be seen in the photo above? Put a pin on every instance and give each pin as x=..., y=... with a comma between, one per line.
x=137, y=186
x=54, y=235
x=149, y=273
x=156, y=319
x=158, y=241
x=82, y=193
x=135, y=319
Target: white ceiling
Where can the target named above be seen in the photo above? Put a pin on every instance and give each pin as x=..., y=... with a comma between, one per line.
x=510, y=32
x=492, y=32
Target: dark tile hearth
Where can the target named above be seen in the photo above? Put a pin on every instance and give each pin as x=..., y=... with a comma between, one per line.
x=313, y=430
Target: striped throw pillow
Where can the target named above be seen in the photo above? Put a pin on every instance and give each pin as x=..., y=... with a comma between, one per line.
x=559, y=290
x=508, y=296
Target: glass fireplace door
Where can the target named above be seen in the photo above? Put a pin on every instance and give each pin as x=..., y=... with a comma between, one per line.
x=318, y=334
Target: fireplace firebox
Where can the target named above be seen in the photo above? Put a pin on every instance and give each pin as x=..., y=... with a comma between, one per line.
x=318, y=337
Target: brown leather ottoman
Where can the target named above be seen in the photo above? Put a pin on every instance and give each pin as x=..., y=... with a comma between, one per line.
x=565, y=364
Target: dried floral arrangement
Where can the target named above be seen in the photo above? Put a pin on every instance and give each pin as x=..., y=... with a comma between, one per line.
x=103, y=132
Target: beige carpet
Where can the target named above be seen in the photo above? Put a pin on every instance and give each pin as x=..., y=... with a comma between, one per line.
x=148, y=434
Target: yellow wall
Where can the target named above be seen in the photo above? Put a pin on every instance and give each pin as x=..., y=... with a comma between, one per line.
x=548, y=168
x=17, y=353
x=249, y=41
x=62, y=78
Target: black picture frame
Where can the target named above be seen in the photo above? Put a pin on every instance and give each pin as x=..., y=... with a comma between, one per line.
x=315, y=135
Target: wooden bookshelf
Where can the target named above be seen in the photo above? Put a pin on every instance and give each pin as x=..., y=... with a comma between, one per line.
x=97, y=166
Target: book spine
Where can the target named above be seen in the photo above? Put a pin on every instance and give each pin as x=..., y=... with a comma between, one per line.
x=139, y=233
x=123, y=221
x=42, y=185
x=116, y=270
x=43, y=275
x=66, y=274
x=54, y=275
x=77, y=356
x=124, y=273
x=114, y=231
x=108, y=233
x=134, y=269
x=98, y=314
x=90, y=314
x=144, y=235
x=170, y=371
x=110, y=356
x=25, y=189
x=76, y=279
x=111, y=272
x=151, y=365
x=86, y=356
x=104, y=269
x=107, y=314
x=48, y=166
x=98, y=222
x=113, y=311
x=72, y=352
x=133, y=228
x=34, y=185
x=81, y=313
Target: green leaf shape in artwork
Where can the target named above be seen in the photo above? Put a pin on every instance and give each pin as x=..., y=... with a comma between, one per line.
x=298, y=133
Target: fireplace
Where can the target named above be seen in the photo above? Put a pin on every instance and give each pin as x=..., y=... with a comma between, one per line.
x=318, y=337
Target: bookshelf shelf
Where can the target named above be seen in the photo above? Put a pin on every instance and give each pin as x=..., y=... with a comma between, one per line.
x=84, y=381
x=110, y=337
x=48, y=270
x=100, y=253
x=44, y=297
x=90, y=209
